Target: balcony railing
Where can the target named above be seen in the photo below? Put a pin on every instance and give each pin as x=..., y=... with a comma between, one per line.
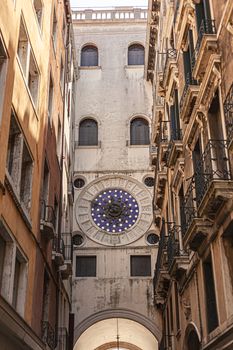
x=189, y=209
x=162, y=246
x=173, y=246
x=213, y=165
x=188, y=81
x=48, y=334
x=207, y=27
x=176, y=135
x=228, y=111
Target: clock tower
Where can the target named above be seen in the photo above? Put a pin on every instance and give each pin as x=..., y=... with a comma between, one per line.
x=115, y=239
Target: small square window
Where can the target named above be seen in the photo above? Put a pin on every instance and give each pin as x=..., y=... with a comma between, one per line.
x=140, y=265
x=86, y=266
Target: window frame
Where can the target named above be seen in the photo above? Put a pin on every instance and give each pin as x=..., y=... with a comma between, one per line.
x=140, y=257
x=86, y=66
x=135, y=58
x=94, y=267
x=146, y=124
x=86, y=143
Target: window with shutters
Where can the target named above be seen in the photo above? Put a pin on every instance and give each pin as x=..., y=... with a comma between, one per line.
x=139, y=132
x=86, y=266
x=136, y=53
x=211, y=305
x=89, y=56
x=88, y=133
x=140, y=265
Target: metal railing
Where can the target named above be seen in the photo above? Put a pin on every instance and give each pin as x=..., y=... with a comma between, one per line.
x=207, y=27
x=189, y=80
x=48, y=334
x=176, y=134
x=162, y=246
x=189, y=208
x=47, y=213
x=228, y=111
x=214, y=164
x=173, y=245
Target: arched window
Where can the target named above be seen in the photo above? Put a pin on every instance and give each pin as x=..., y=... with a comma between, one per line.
x=88, y=133
x=139, y=132
x=89, y=56
x=136, y=54
x=193, y=342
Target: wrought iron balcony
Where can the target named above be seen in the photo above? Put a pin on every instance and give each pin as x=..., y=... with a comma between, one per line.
x=48, y=334
x=210, y=187
x=205, y=46
x=189, y=210
x=170, y=61
x=228, y=111
x=188, y=97
x=161, y=277
x=177, y=258
x=58, y=251
x=47, y=221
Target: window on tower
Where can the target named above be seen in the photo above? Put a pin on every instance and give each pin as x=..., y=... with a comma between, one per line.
x=88, y=133
x=136, y=53
x=139, y=132
x=89, y=56
x=140, y=265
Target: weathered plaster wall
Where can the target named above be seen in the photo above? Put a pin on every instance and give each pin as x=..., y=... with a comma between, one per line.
x=112, y=93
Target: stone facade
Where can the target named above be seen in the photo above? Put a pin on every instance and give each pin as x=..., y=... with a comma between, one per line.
x=36, y=75
x=189, y=61
x=113, y=93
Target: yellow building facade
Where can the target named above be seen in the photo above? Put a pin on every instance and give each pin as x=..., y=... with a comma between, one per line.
x=35, y=252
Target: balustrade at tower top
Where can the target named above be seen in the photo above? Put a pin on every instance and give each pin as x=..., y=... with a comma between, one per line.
x=110, y=14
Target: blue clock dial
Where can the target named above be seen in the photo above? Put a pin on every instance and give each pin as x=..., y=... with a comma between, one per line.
x=114, y=210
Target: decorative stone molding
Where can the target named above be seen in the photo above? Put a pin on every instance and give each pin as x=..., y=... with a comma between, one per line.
x=135, y=189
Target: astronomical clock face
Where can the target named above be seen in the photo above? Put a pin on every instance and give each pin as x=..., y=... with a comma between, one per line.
x=114, y=211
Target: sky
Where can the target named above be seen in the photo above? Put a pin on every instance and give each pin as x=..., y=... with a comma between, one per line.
x=107, y=3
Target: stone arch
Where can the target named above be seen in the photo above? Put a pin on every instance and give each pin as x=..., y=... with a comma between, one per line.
x=117, y=313
x=192, y=339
